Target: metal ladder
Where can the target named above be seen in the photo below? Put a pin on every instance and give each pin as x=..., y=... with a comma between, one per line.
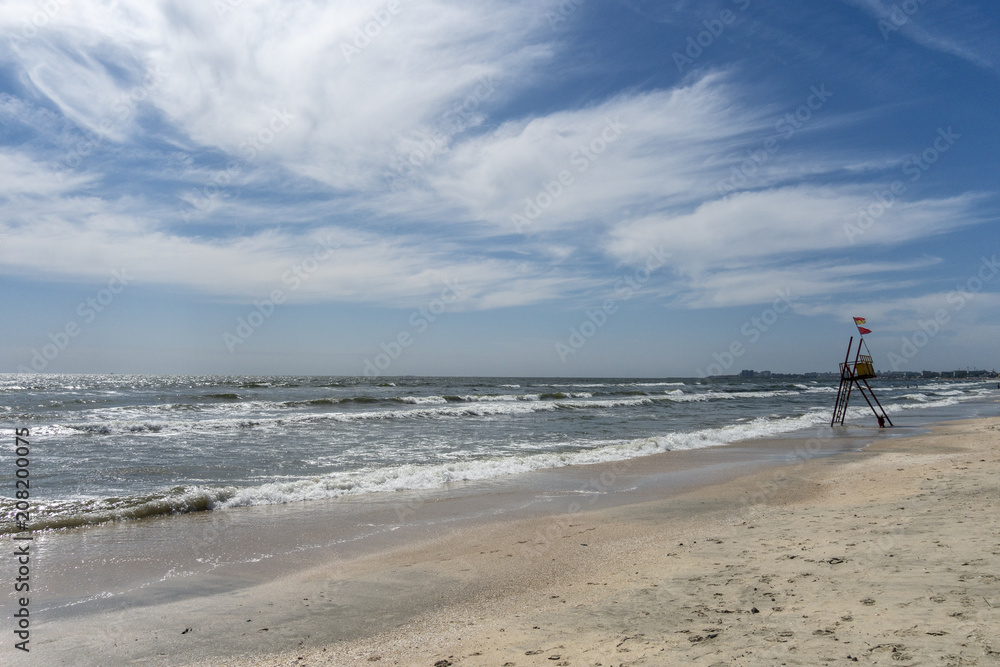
x=850, y=377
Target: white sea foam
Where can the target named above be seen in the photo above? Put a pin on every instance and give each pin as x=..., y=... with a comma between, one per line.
x=466, y=406
x=148, y=420
x=258, y=414
x=621, y=384
x=489, y=398
x=53, y=430
x=315, y=413
x=423, y=400
x=712, y=395
x=609, y=403
x=819, y=390
x=416, y=476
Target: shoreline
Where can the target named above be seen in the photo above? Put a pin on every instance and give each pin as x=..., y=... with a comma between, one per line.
x=885, y=557
x=173, y=557
x=476, y=577
x=139, y=491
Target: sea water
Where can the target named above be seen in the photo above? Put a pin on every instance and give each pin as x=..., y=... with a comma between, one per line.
x=124, y=447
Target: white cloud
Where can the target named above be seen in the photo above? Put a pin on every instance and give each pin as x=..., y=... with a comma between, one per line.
x=632, y=151
x=773, y=222
x=747, y=248
x=21, y=175
x=221, y=78
x=268, y=84
x=923, y=331
x=86, y=238
x=809, y=284
x=956, y=30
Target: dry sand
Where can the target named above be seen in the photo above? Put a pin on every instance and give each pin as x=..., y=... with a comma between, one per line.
x=889, y=556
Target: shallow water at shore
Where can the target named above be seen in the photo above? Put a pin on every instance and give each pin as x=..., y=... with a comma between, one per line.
x=109, y=448
x=136, y=563
x=259, y=579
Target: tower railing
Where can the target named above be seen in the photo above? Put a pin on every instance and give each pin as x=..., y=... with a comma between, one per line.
x=856, y=375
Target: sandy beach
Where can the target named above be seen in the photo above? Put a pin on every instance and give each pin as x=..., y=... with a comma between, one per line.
x=883, y=555
x=503, y=333
x=886, y=557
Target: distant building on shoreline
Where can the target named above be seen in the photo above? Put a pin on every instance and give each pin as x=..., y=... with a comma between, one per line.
x=930, y=375
x=888, y=375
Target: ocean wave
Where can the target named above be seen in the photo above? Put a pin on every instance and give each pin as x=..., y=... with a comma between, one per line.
x=83, y=512
x=620, y=384
x=315, y=402
x=473, y=398
x=716, y=395
x=477, y=466
x=74, y=513
x=422, y=400
x=227, y=414
x=482, y=409
x=434, y=399
x=118, y=427
x=605, y=403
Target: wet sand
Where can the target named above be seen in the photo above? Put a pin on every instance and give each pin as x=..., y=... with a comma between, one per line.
x=779, y=552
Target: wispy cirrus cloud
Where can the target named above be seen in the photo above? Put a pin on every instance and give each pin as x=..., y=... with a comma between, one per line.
x=634, y=150
x=23, y=176
x=776, y=221
x=220, y=77
x=642, y=165
x=953, y=28
x=322, y=265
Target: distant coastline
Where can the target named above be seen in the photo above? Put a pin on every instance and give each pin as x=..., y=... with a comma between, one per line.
x=891, y=375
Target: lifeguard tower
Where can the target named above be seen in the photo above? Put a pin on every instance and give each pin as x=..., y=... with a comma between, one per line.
x=856, y=375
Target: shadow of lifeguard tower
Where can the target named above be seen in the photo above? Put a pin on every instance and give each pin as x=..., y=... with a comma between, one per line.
x=855, y=375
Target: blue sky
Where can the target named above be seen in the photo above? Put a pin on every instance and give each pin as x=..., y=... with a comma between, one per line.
x=568, y=188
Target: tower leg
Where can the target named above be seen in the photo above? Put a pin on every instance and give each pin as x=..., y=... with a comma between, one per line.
x=840, y=407
x=849, y=378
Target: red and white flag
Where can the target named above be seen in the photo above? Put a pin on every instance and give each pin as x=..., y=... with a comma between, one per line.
x=858, y=321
